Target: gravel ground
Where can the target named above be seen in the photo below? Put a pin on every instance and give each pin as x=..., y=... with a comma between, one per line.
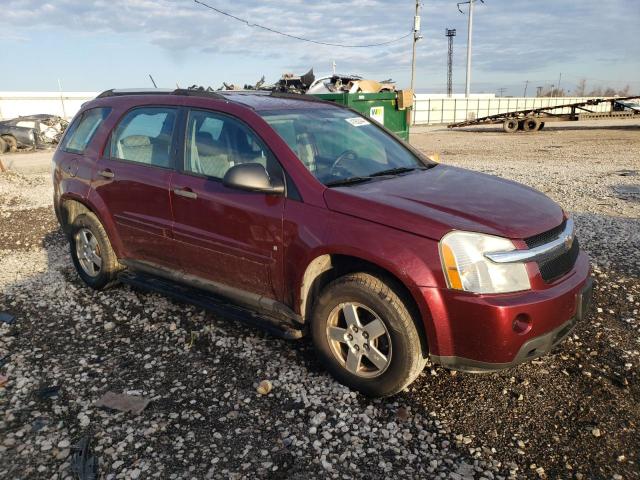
x=573, y=414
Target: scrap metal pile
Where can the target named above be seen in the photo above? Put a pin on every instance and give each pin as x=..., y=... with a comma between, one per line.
x=309, y=84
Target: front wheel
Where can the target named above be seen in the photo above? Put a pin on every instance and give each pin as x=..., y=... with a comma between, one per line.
x=366, y=336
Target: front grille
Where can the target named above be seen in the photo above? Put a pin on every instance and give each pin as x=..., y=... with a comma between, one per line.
x=560, y=265
x=556, y=267
x=545, y=237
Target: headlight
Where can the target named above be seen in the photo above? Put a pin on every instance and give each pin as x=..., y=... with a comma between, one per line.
x=466, y=267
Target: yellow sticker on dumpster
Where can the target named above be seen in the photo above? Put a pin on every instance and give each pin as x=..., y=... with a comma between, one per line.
x=377, y=114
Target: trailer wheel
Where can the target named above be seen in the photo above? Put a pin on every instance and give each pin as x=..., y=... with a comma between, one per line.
x=531, y=124
x=510, y=125
x=541, y=126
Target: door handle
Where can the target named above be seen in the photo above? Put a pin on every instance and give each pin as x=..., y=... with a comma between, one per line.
x=106, y=173
x=185, y=192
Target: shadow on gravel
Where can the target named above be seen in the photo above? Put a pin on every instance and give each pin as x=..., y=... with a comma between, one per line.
x=549, y=128
x=576, y=411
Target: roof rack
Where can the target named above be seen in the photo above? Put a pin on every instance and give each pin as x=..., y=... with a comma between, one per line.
x=159, y=91
x=118, y=92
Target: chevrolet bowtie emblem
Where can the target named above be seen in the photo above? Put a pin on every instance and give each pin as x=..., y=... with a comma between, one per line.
x=568, y=242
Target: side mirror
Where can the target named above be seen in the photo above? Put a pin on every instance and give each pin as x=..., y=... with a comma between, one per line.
x=252, y=177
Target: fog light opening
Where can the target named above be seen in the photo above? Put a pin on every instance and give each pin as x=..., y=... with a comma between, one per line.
x=522, y=324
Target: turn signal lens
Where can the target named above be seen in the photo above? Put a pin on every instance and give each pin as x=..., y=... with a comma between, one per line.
x=450, y=267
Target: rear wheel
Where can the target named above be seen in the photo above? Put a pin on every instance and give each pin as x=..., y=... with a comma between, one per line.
x=11, y=142
x=510, y=125
x=366, y=336
x=541, y=126
x=531, y=124
x=91, y=252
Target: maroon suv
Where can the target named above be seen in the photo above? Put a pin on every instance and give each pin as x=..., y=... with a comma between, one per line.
x=311, y=218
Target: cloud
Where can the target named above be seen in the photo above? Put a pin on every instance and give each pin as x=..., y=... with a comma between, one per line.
x=508, y=35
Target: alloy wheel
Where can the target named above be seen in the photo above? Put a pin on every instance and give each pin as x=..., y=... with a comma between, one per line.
x=88, y=252
x=359, y=340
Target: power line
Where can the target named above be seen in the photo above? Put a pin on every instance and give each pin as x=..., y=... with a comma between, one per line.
x=295, y=37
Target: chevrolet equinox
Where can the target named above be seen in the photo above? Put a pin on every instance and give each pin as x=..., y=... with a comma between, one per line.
x=311, y=218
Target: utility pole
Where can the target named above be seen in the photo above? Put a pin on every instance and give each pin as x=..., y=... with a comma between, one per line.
x=501, y=92
x=526, y=84
x=539, y=91
x=467, y=90
x=559, y=81
x=416, y=37
x=450, y=34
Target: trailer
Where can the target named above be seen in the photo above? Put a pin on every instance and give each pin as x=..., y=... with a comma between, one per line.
x=534, y=119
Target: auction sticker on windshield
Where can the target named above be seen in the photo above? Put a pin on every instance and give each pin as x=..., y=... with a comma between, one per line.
x=357, y=121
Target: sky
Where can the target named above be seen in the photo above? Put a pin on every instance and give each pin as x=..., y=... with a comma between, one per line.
x=103, y=44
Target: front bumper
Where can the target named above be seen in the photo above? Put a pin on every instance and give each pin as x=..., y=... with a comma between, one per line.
x=475, y=333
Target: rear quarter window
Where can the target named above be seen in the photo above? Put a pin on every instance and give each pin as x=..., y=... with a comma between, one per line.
x=82, y=129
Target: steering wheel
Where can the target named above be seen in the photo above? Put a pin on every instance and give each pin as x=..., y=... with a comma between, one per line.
x=346, y=155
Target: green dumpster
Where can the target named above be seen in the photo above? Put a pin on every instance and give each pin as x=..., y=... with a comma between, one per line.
x=387, y=108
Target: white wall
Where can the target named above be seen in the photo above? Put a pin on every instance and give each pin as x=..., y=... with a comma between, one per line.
x=430, y=109
x=15, y=104
x=433, y=110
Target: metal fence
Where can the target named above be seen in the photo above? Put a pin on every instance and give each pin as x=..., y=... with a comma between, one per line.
x=438, y=110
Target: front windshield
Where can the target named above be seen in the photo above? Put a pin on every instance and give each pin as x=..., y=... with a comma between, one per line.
x=338, y=146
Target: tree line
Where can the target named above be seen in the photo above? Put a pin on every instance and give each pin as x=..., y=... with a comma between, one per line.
x=582, y=90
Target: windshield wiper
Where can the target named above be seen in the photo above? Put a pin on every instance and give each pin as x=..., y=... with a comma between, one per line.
x=395, y=171
x=347, y=181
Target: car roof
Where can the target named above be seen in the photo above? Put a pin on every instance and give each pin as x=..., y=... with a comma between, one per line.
x=275, y=101
x=254, y=99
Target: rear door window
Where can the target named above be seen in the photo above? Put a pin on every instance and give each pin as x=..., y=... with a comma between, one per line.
x=145, y=136
x=81, y=131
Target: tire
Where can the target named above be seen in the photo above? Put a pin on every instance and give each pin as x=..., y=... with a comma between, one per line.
x=510, y=125
x=541, y=126
x=89, y=243
x=384, y=327
x=11, y=142
x=3, y=146
x=531, y=124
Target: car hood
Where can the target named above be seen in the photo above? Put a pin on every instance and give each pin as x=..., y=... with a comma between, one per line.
x=433, y=202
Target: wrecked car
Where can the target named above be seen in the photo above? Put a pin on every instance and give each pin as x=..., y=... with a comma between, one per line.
x=315, y=220
x=13, y=137
x=31, y=131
